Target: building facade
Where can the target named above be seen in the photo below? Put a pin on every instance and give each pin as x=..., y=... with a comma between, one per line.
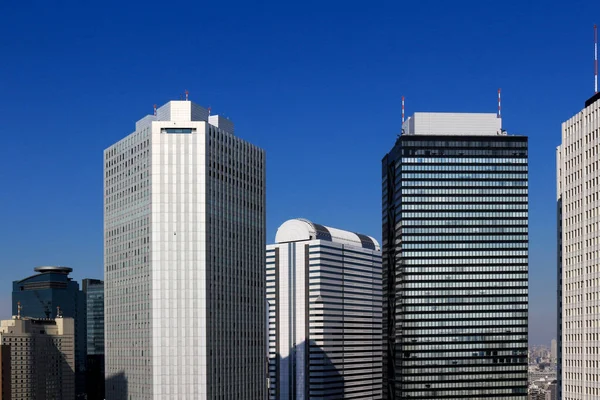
x=5, y=372
x=42, y=357
x=578, y=200
x=455, y=260
x=93, y=290
x=184, y=229
x=324, y=302
x=43, y=294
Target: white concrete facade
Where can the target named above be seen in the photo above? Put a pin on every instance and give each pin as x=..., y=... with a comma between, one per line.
x=174, y=190
x=578, y=196
x=451, y=124
x=324, y=293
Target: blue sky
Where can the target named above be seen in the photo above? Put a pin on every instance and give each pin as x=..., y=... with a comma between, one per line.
x=317, y=84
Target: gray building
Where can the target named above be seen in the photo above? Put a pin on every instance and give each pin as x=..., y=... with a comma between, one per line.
x=324, y=295
x=455, y=259
x=93, y=290
x=184, y=242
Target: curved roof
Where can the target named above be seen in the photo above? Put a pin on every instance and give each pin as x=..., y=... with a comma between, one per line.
x=300, y=229
x=53, y=269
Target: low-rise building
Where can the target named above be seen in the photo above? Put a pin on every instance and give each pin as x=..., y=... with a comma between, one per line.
x=42, y=357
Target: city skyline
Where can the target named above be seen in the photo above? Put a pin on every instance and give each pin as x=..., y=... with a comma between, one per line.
x=55, y=171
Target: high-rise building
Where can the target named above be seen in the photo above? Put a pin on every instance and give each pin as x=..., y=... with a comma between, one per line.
x=553, y=353
x=324, y=295
x=93, y=290
x=578, y=200
x=184, y=243
x=42, y=357
x=5, y=372
x=455, y=259
x=43, y=294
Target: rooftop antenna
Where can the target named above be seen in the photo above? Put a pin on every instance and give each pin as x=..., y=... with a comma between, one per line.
x=595, y=58
x=209, y=110
x=187, y=95
x=499, y=105
x=18, y=310
x=155, y=110
x=402, y=110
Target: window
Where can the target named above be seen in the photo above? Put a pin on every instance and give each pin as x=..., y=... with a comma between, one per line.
x=178, y=130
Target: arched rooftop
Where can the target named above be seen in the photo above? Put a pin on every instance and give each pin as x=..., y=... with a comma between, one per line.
x=300, y=229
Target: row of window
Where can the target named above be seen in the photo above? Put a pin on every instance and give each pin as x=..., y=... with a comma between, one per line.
x=463, y=199
x=462, y=176
x=458, y=263
x=469, y=245
x=459, y=160
x=463, y=238
x=488, y=301
x=472, y=215
x=458, y=191
x=449, y=183
x=462, y=167
x=424, y=207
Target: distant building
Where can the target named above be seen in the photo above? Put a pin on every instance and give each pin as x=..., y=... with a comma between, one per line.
x=42, y=294
x=578, y=209
x=553, y=352
x=42, y=353
x=455, y=259
x=551, y=392
x=94, y=378
x=5, y=372
x=324, y=295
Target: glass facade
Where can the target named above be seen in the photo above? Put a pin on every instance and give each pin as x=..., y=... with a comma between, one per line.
x=455, y=267
x=94, y=295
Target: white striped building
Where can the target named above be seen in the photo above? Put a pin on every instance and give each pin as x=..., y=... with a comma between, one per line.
x=325, y=314
x=578, y=197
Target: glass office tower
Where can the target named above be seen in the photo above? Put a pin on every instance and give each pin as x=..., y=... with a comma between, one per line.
x=455, y=260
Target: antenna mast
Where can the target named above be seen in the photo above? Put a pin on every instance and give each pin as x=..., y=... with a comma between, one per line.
x=402, y=110
x=595, y=58
x=187, y=95
x=499, y=105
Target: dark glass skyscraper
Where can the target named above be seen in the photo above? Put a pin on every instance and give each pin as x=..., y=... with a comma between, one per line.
x=41, y=295
x=94, y=295
x=455, y=260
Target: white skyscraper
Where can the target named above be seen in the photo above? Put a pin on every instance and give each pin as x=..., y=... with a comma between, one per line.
x=184, y=240
x=578, y=196
x=325, y=314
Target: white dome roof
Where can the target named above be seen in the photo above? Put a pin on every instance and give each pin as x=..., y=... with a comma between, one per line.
x=299, y=229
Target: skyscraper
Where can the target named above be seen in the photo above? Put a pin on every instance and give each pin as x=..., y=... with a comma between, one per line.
x=93, y=290
x=324, y=295
x=553, y=349
x=184, y=229
x=578, y=200
x=454, y=255
x=43, y=294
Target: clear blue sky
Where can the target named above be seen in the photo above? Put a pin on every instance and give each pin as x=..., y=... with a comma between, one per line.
x=317, y=84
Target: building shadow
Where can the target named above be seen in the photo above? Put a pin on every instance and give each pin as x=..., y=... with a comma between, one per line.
x=309, y=372
x=116, y=387
x=94, y=377
x=54, y=372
